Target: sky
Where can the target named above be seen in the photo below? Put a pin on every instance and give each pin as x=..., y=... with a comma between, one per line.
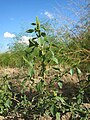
x=16, y=16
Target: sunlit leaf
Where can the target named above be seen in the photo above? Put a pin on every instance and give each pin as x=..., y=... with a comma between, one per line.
x=55, y=59
x=7, y=104
x=55, y=93
x=57, y=116
x=51, y=52
x=79, y=71
x=31, y=72
x=39, y=86
x=26, y=61
x=60, y=84
x=72, y=71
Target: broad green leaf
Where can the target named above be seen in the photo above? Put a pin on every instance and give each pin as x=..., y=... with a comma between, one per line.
x=72, y=71
x=31, y=72
x=7, y=104
x=60, y=84
x=26, y=61
x=33, y=43
x=43, y=34
x=30, y=63
x=55, y=59
x=40, y=42
x=53, y=110
x=36, y=51
x=52, y=52
x=39, y=86
x=33, y=23
x=30, y=31
x=57, y=116
x=79, y=99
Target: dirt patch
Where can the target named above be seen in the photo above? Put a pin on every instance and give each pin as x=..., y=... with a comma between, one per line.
x=12, y=72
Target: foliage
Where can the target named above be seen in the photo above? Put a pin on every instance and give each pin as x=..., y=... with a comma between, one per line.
x=5, y=96
x=12, y=59
x=45, y=97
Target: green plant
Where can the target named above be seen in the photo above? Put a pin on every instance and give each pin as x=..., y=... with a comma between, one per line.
x=44, y=94
x=5, y=96
x=41, y=46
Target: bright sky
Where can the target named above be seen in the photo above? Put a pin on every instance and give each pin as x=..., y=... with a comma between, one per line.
x=16, y=15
